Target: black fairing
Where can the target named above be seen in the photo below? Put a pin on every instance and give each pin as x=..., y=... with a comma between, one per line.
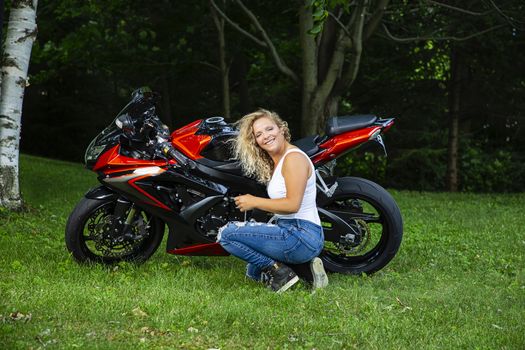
x=220, y=147
x=238, y=184
x=218, y=153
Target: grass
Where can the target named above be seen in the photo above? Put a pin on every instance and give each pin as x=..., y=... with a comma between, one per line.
x=458, y=282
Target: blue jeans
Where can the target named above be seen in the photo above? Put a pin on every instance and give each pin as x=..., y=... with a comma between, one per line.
x=292, y=241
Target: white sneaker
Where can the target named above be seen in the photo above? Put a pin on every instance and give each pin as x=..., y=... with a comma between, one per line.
x=320, y=279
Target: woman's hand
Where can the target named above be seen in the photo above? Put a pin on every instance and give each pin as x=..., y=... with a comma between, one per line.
x=245, y=202
x=296, y=170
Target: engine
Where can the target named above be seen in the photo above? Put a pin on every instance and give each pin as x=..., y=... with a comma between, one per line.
x=218, y=216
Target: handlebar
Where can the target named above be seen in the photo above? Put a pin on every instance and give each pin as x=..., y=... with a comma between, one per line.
x=170, y=151
x=178, y=157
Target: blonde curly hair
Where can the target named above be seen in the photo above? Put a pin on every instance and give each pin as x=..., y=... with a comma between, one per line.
x=254, y=160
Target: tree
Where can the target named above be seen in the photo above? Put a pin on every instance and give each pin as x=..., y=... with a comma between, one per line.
x=89, y=57
x=91, y=54
x=330, y=57
x=452, y=76
x=224, y=67
x=472, y=20
x=333, y=34
x=1, y=21
x=21, y=33
x=1, y=35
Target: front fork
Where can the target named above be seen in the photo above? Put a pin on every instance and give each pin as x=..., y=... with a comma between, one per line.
x=124, y=227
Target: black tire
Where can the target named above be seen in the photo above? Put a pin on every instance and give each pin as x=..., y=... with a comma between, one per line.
x=389, y=234
x=80, y=244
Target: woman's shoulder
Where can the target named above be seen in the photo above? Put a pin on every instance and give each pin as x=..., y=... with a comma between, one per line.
x=295, y=152
x=295, y=157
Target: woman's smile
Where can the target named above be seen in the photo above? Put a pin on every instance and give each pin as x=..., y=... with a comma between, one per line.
x=267, y=134
x=269, y=141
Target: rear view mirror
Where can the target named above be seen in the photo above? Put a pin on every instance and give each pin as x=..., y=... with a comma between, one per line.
x=125, y=123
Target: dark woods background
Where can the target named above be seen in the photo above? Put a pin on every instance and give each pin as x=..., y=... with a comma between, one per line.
x=90, y=55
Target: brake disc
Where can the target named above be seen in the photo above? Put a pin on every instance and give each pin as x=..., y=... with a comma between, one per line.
x=348, y=245
x=115, y=245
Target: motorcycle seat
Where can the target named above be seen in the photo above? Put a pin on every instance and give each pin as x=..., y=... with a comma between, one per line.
x=341, y=124
x=309, y=144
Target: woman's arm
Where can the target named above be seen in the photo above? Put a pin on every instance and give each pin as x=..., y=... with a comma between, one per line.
x=296, y=171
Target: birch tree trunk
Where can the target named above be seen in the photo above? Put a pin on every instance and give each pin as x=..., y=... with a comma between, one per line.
x=21, y=33
x=1, y=28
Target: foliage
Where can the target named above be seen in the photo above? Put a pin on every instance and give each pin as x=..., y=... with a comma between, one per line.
x=421, y=169
x=457, y=282
x=367, y=164
x=416, y=93
x=91, y=54
x=500, y=171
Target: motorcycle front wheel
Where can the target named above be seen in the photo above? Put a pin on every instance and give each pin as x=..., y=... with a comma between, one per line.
x=373, y=230
x=95, y=234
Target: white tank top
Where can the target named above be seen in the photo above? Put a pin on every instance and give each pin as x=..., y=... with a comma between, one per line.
x=277, y=189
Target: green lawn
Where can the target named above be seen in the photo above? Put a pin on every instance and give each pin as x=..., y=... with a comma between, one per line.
x=458, y=282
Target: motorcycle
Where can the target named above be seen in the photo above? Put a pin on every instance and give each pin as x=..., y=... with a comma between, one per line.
x=187, y=181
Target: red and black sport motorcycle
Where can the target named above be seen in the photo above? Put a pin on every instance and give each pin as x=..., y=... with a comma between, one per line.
x=187, y=180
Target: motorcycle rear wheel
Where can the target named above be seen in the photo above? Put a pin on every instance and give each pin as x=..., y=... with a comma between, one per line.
x=87, y=231
x=379, y=220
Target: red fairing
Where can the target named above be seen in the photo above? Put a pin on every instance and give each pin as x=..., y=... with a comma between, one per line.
x=343, y=142
x=116, y=162
x=186, y=141
x=201, y=250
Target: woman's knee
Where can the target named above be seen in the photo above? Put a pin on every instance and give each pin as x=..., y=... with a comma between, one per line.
x=226, y=230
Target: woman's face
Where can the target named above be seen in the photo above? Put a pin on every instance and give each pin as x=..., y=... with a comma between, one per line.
x=268, y=135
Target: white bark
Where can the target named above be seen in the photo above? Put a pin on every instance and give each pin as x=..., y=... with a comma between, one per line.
x=21, y=33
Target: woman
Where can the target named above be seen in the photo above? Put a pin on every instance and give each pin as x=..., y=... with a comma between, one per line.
x=264, y=150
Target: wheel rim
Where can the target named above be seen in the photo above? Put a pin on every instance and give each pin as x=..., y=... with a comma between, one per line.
x=101, y=244
x=370, y=228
